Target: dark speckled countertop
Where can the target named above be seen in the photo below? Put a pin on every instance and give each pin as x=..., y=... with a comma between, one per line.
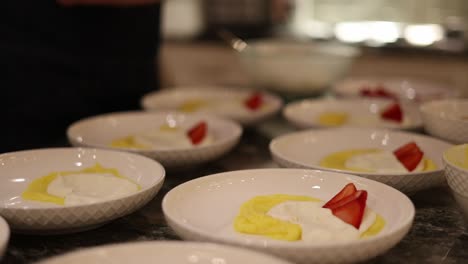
x=439, y=233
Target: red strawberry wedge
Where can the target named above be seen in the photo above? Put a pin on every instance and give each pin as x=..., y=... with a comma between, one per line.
x=254, y=101
x=409, y=155
x=197, y=133
x=349, y=189
x=393, y=112
x=350, y=209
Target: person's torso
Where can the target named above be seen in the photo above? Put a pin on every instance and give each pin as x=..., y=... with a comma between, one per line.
x=42, y=27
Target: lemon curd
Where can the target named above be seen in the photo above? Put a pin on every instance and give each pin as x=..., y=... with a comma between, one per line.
x=370, y=160
x=256, y=217
x=458, y=155
x=39, y=189
x=191, y=106
x=333, y=118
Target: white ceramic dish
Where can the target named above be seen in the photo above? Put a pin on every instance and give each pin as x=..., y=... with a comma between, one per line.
x=412, y=89
x=203, y=209
x=457, y=176
x=226, y=102
x=296, y=67
x=447, y=119
x=360, y=113
x=4, y=236
x=305, y=149
x=455, y=159
x=170, y=252
x=100, y=131
x=19, y=169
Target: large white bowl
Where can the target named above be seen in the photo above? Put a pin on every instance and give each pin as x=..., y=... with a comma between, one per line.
x=447, y=119
x=100, y=131
x=203, y=209
x=305, y=149
x=4, y=236
x=296, y=67
x=411, y=89
x=166, y=252
x=19, y=169
x=361, y=113
x=222, y=101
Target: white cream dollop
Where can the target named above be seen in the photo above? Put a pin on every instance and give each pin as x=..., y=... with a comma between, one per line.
x=319, y=224
x=168, y=138
x=381, y=162
x=83, y=188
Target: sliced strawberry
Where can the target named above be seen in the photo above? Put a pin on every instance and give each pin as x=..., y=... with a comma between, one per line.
x=197, y=133
x=350, y=209
x=254, y=101
x=346, y=191
x=409, y=155
x=405, y=149
x=393, y=112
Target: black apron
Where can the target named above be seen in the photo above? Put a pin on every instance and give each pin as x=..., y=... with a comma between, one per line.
x=60, y=64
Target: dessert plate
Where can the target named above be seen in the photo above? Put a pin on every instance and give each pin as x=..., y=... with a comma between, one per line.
x=226, y=102
x=4, y=236
x=19, y=169
x=306, y=149
x=412, y=89
x=204, y=209
x=104, y=130
x=325, y=113
x=173, y=252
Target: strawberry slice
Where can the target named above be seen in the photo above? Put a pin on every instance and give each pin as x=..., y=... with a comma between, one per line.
x=409, y=155
x=197, y=133
x=254, y=101
x=346, y=191
x=350, y=209
x=393, y=112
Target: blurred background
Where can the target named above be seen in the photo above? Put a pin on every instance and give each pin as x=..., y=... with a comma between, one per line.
x=415, y=38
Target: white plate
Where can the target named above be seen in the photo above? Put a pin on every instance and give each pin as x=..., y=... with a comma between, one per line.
x=361, y=113
x=167, y=252
x=100, y=131
x=404, y=88
x=203, y=209
x=305, y=149
x=4, y=236
x=446, y=119
x=226, y=102
x=19, y=169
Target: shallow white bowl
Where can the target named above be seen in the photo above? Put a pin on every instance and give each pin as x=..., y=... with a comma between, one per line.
x=203, y=209
x=100, y=131
x=296, y=67
x=305, y=149
x=447, y=119
x=361, y=113
x=19, y=169
x=167, y=252
x=412, y=89
x=4, y=236
x=457, y=176
x=226, y=102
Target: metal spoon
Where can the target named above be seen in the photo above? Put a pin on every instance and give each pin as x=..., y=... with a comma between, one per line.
x=232, y=40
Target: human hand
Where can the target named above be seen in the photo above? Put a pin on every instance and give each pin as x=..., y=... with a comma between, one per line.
x=106, y=2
